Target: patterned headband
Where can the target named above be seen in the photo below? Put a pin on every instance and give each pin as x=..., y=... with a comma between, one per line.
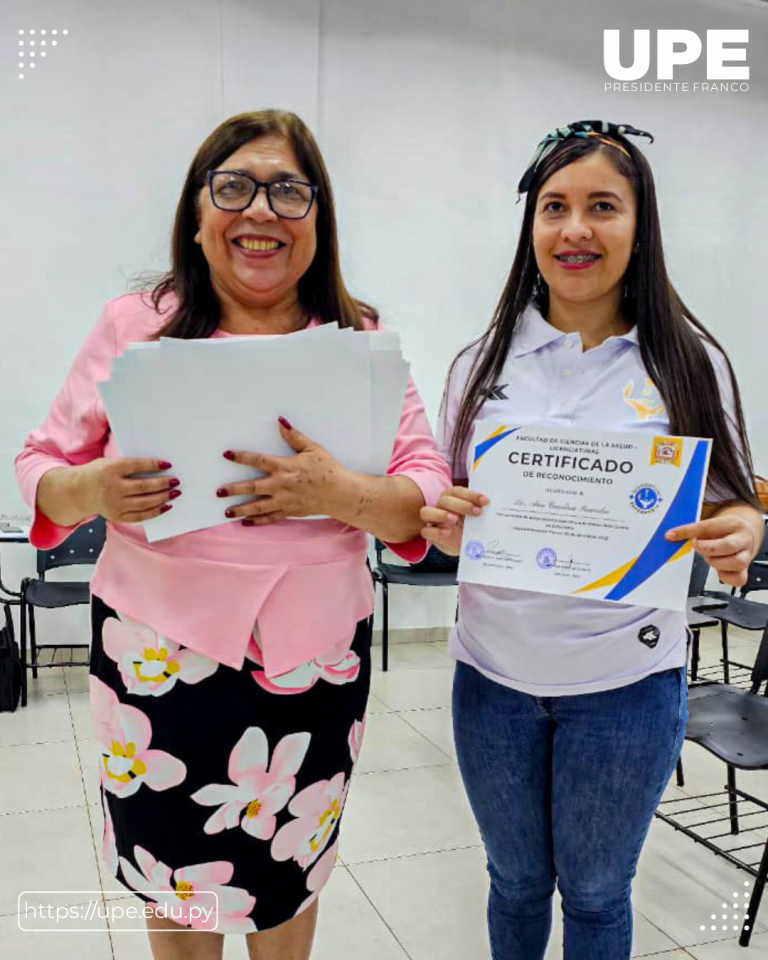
x=580, y=128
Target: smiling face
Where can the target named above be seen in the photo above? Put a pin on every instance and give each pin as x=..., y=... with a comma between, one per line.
x=255, y=257
x=584, y=229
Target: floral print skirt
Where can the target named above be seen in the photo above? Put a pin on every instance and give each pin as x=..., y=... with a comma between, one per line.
x=221, y=781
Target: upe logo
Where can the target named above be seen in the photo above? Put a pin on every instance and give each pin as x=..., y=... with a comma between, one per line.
x=689, y=48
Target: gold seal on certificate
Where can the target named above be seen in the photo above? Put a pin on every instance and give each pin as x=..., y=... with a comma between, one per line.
x=584, y=512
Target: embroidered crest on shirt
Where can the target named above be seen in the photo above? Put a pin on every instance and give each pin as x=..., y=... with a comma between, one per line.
x=648, y=404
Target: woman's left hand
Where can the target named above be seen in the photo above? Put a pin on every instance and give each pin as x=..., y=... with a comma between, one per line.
x=297, y=486
x=726, y=542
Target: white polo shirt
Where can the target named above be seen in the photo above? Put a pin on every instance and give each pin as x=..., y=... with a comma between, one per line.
x=544, y=644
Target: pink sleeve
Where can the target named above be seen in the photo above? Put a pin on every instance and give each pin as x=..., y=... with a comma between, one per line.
x=73, y=433
x=415, y=455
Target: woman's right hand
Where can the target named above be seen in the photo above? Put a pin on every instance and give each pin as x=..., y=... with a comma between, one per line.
x=107, y=487
x=445, y=521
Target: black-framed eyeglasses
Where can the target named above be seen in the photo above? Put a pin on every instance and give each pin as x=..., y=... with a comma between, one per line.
x=233, y=190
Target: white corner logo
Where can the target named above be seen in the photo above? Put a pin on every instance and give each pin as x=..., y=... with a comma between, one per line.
x=33, y=44
x=677, y=49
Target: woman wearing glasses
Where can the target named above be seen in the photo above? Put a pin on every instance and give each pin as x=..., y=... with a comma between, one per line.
x=218, y=775
x=569, y=714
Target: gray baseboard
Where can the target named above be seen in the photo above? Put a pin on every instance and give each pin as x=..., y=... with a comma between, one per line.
x=414, y=635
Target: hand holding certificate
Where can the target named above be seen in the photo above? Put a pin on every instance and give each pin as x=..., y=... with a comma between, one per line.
x=584, y=512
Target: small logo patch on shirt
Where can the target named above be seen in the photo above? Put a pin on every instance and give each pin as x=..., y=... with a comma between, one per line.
x=497, y=392
x=649, y=636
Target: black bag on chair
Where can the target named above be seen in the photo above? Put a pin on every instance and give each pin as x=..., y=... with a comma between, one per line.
x=10, y=666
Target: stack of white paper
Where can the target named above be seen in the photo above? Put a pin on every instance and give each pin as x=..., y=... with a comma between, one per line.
x=187, y=401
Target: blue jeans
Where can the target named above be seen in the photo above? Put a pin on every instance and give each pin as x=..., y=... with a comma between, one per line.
x=564, y=790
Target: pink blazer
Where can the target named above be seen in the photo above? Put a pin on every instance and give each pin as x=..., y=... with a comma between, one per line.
x=306, y=583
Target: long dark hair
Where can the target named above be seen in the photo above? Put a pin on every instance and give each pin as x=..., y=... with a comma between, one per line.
x=322, y=292
x=669, y=335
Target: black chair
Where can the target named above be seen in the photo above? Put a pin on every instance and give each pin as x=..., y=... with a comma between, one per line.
x=698, y=607
x=732, y=723
x=757, y=575
x=697, y=602
x=435, y=570
x=745, y=614
x=708, y=609
x=699, y=574
x=726, y=609
x=82, y=546
x=10, y=658
x=698, y=617
x=757, y=578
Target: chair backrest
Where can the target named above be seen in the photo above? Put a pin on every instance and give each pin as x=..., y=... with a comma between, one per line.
x=699, y=574
x=760, y=669
x=435, y=560
x=82, y=546
x=757, y=578
x=762, y=555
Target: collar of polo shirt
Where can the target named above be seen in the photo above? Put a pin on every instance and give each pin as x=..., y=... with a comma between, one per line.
x=534, y=332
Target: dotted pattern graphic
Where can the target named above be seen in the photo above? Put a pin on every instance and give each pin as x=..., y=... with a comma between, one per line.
x=736, y=916
x=26, y=47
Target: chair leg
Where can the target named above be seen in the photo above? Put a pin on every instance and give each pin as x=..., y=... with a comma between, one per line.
x=23, y=650
x=733, y=806
x=680, y=774
x=695, y=655
x=754, y=902
x=32, y=642
x=385, y=626
x=724, y=634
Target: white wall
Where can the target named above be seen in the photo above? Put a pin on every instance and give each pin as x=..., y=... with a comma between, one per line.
x=412, y=102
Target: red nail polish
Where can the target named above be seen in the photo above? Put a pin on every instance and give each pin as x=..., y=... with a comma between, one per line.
x=229, y=512
x=164, y=465
x=173, y=494
x=285, y=423
x=221, y=492
x=174, y=482
x=229, y=455
x=165, y=508
x=248, y=523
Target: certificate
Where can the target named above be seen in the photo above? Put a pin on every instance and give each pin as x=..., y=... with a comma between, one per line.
x=584, y=512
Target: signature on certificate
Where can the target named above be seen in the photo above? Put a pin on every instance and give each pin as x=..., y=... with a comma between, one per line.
x=495, y=551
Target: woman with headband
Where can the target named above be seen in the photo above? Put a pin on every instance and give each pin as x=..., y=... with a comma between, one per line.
x=569, y=714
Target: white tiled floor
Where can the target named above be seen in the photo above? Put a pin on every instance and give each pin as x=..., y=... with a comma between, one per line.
x=411, y=880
